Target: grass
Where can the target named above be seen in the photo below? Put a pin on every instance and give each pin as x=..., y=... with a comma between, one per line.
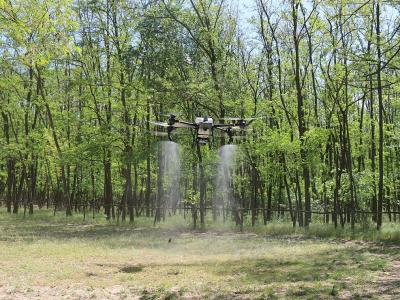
x=54, y=257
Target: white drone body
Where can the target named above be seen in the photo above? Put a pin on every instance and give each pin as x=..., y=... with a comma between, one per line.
x=204, y=129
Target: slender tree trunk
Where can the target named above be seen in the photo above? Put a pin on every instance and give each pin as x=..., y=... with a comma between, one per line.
x=380, y=120
x=10, y=164
x=300, y=117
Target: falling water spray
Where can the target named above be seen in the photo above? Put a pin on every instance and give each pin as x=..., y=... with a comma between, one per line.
x=223, y=189
x=169, y=174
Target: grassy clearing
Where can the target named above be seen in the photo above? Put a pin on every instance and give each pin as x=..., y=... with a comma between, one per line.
x=55, y=257
x=390, y=232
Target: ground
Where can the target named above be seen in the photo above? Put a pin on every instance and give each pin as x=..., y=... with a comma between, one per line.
x=68, y=258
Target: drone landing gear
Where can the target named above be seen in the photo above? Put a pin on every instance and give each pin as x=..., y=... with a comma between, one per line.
x=169, y=131
x=229, y=132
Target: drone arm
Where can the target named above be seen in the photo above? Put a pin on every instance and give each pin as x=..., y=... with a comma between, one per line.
x=219, y=128
x=184, y=124
x=223, y=127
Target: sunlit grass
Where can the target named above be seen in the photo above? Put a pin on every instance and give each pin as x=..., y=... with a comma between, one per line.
x=48, y=254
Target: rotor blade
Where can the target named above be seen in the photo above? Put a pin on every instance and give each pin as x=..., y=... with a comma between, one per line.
x=240, y=119
x=182, y=124
x=162, y=124
x=164, y=133
x=177, y=124
x=223, y=126
x=231, y=119
x=246, y=129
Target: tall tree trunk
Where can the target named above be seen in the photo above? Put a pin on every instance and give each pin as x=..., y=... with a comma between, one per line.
x=300, y=116
x=148, y=162
x=65, y=194
x=10, y=164
x=380, y=119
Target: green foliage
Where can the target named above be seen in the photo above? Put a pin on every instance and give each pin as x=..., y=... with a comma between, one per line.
x=80, y=81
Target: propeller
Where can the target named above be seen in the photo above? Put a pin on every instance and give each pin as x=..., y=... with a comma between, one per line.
x=179, y=124
x=225, y=127
x=162, y=124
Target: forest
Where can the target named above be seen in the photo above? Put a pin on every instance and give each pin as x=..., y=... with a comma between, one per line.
x=199, y=149
x=83, y=83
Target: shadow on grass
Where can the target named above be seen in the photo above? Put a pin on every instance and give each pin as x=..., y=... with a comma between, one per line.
x=320, y=266
x=43, y=225
x=30, y=233
x=390, y=289
x=323, y=274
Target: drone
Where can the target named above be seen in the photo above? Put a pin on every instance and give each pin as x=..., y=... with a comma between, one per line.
x=205, y=126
